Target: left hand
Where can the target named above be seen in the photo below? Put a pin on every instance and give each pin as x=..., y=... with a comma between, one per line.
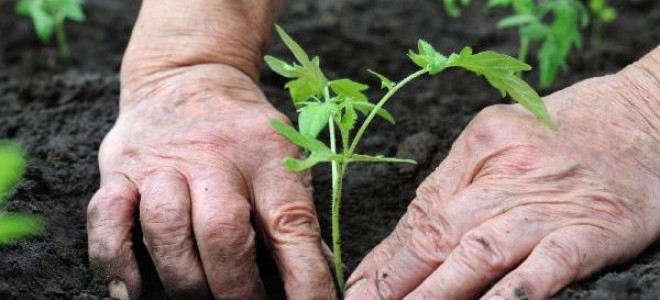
x=526, y=208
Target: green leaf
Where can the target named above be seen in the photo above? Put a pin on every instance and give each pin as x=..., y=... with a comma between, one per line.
x=314, y=159
x=12, y=167
x=302, y=89
x=295, y=48
x=427, y=58
x=23, y=7
x=72, y=9
x=367, y=107
x=499, y=70
x=313, y=117
x=280, y=67
x=349, y=89
x=297, y=138
x=380, y=158
x=384, y=81
x=452, y=9
x=308, y=81
x=349, y=117
x=516, y=20
x=14, y=226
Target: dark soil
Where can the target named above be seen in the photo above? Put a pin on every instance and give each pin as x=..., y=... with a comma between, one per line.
x=62, y=113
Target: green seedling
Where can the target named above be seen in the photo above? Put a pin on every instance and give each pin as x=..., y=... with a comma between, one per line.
x=48, y=16
x=601, y=14
x=14, y=225
x=334, y=104
x=554, y=24
x=452, y=6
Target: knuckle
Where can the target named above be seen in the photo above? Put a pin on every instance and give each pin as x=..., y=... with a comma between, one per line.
x=562, y=253
x=432, y=240
x=479, y=250
x=228, y=233
x=294, y=220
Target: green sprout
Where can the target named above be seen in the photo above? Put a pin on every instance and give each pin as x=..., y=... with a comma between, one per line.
x=48, y=16
x=602, y=13
x=334, y=104
x=555, y=24
x=12, y=167
x=452, y=9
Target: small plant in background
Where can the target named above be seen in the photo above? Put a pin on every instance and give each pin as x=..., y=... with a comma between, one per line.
x=48, y=17
x=12, y=167
x=334, y=104
x=601, y=14
x=554, y=24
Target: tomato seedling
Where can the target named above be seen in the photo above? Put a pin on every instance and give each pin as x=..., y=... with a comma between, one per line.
x=12, y=167
x=48, y=16
x=334, y=104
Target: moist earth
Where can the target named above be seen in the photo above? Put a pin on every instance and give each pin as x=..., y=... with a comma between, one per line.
x=61, y=113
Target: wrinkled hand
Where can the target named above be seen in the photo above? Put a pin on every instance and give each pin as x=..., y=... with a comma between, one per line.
x=194, y=154
x=528, y=209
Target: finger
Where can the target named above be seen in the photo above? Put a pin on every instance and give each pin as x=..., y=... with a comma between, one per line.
x=483, y=254
x=110, y=216
x=433, y=192
x=429, y=243
x=564, y=256
x=167, y=229
x=286, y=212
x=224, y=235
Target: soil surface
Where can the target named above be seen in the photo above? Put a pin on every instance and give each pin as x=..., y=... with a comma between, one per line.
x=62, y=113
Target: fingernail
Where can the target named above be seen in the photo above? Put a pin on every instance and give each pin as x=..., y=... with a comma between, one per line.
x=354, y=289
x=118, y=290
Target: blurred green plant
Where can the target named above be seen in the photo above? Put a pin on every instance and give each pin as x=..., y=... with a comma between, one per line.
x=48, y=17
x=554, y=24
x=601, y=14
x=12, y=167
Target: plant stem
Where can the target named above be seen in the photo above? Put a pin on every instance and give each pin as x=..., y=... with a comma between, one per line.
x=62, y=44
x=379, y=106
x=337, y=177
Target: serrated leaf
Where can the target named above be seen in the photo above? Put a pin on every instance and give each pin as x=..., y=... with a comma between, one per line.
x=367, y=107
x=385, y=83
x=304, y=164
x=349, y=117
x=297, y=138
x=380, y=158
x=349, y=89
x=12, y=167
x=313, y=117
x=499, y=70
x=302, y=89
x=280, y=67
x=308, y=79
x=14, y=226
x=427, y=58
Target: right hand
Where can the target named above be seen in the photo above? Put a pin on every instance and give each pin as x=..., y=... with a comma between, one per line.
x=193, y=152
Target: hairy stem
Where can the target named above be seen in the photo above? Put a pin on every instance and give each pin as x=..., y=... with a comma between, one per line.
x=337, y=176
x=379, y=106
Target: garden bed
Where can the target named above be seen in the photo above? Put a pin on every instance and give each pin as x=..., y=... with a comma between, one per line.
x=61, y=115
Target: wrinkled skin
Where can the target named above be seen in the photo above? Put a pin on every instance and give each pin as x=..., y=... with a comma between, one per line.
x=193, y=154
x=529, y=209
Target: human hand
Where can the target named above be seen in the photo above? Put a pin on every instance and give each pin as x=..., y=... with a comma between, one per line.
x=528, y=209
x=193, y=152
